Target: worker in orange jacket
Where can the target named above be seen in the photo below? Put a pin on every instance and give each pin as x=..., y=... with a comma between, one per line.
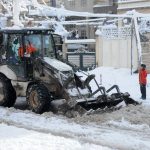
x=143, y=80
x=30, y=49
x=20, y=52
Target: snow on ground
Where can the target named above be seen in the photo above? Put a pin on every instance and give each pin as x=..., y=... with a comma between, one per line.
x=22, y=139
x=124, y=129
x=107, y=134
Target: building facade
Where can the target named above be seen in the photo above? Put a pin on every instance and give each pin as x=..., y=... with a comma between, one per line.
x=84, y=31
x=142, y=6
x=105, y=6
x=79, y=5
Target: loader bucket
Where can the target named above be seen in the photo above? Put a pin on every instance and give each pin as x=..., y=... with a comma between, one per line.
x=103, y=101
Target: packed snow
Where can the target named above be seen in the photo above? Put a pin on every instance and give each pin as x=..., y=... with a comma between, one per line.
x=127, y=128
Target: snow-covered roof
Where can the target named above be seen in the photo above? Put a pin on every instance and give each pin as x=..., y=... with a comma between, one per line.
x=128, y=1
x=80, y=41
x=51, y=12
x=133, y=6
x=99, y=5
x=75, y=46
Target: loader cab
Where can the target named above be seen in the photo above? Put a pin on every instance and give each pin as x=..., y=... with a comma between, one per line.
x=19, y=49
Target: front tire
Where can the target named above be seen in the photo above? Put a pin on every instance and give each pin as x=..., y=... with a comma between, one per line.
x=7, y=92
x=38, y=98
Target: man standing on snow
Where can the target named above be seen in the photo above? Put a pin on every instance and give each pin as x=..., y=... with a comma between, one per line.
x=143, y=80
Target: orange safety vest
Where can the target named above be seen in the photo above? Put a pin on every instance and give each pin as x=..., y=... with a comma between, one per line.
x=30, y=49
x=143, y=76
x=20, y=52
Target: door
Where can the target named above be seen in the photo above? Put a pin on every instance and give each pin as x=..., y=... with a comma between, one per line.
x=13, y=55
x=58, y=45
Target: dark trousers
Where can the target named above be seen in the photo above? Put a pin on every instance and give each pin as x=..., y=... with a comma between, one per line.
x=143, y=91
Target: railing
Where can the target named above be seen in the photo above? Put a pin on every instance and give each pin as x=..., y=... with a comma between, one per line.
x=83, y=60
x=116, y=33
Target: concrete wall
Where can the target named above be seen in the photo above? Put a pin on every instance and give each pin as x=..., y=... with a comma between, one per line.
x=116, y=53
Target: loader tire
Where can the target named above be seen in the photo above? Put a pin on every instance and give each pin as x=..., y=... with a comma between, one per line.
x=38, y=98
x=7, y=92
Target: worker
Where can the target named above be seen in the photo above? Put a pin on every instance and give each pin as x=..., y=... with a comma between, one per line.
x=30, y=48
x=143, y=80
x=20, y=52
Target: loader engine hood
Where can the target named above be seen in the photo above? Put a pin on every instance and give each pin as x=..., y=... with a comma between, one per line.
x=60, y=66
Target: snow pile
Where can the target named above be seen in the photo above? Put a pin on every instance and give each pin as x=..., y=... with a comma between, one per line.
x=136, y=116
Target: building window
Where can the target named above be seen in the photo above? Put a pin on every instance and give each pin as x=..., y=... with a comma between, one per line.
x=72, y=3
x=53, y=3
x=71, y=27
x=83, y=34
x=83, y=3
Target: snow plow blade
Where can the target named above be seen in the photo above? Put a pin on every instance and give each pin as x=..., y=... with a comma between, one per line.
x=103, y=101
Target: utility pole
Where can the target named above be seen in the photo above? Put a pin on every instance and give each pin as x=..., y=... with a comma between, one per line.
x=132, y=46
x=138, y=40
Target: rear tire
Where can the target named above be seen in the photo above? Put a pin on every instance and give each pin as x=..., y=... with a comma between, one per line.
x=38, y=98
x=7, y=92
